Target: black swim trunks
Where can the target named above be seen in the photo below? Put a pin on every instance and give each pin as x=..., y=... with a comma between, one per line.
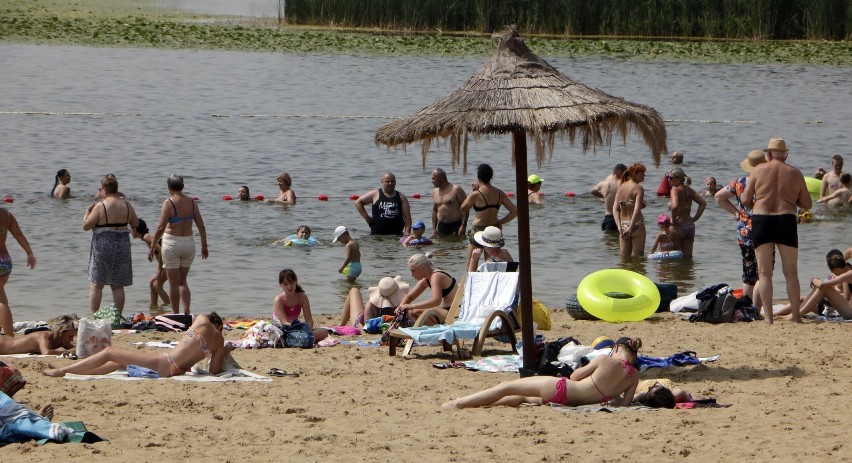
x=448, y=229
x=778, y=229
x=608, y=223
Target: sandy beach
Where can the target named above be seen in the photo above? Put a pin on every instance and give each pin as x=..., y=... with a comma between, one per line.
x=786, y=384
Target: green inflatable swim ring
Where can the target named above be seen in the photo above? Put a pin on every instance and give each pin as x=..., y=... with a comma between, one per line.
x=593, y=289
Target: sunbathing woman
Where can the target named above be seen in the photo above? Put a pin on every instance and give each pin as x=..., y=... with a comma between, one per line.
x=203, y=339
x=58, y=340
x=609, y=380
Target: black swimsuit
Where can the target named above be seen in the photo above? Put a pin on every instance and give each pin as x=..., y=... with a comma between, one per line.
x=487, y=206
x=446, y=291
x=114, y=225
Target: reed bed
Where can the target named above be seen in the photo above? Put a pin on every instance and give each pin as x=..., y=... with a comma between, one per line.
x=736, y=19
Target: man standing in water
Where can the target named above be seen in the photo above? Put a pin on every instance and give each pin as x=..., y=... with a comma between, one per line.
x=831, y=180
x=606, y=190
x=391, y=213
x=447, y=199
x=773, y=192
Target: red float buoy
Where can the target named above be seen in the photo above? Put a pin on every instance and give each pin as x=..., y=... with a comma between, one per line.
x=353, y=197
x=259, y=197
x=227, y=198
x=195, y=198
x=416, y=196
x=322, y=197
x=510, y=194
x=570, y=194
x=9, y=199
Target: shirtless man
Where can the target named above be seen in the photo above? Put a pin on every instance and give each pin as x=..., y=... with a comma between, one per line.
x=831, y=180
x=391, y=213
x=773, y=192
x=606, y=190
x=446, y=210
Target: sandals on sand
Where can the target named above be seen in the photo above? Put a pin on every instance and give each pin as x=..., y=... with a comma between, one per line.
x=280, y=372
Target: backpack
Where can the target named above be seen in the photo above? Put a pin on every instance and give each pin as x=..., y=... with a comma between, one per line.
x=716, y=304
x=548, y=363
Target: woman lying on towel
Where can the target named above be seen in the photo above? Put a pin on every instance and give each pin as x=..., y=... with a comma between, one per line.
x=57, y=340
x=203, y=339
x=608, y=380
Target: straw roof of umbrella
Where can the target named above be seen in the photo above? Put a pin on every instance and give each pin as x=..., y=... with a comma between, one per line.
x=516, y=89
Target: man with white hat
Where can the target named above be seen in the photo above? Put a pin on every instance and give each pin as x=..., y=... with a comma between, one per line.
x=743, y=215
x=774, y=191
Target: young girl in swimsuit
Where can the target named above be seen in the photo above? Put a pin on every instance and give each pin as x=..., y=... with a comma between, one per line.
x=442, y=286
x=287, y=306
x=669, y=238
x=156, y=283
x=629, y=202
x=203, y=339
x=608, y=380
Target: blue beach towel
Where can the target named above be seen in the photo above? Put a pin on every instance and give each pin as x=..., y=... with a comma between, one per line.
x=438, y=333
x=136, y=371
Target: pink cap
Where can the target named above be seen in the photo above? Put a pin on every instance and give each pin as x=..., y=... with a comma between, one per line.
x=663, y=218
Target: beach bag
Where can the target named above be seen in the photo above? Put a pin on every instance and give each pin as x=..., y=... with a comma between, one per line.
x=540, y=314
x=548, y=363
x=297, y=334
x=716, y=304
x=93, y=336
x=110, y=313
x=11, y=380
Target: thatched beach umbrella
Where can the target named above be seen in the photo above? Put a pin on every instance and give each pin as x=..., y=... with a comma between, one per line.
x=517, y=92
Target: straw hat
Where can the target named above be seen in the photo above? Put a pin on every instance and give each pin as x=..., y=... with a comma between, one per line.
x=389, y=289
x=491, y=237
x=754, y=159
x=776, y=144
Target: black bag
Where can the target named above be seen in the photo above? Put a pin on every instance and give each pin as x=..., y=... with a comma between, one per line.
x=548, y=359
x=716, y=304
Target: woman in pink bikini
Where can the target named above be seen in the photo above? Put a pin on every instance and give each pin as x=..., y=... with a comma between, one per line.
x=608, y=380
x=292, y=302
x=203, y=339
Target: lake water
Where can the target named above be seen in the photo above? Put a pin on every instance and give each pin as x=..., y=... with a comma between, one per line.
x=224, y=119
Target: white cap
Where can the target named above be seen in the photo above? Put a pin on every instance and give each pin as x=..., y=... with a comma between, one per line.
x=338, y=232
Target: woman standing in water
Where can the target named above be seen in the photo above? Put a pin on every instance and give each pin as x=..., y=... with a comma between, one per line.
x=8, y=225
x=177, y=215
x=110, y=262
x=629, y=202
x=485, y=201
x=61, y=190
x=682, y=197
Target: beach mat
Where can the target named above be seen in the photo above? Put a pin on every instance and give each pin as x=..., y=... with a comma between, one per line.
x=601, y=408
x=225, y=376
x=80, y=435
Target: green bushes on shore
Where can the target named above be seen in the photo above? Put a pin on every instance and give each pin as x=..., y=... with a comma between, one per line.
x=741, y=19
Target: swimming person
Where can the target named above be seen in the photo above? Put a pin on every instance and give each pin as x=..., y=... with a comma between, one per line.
x=486, y=201
x=202, y=339
x=110, y=261
x=9, y=225
x=61, y=190
x=533, y=188
x=352, y=263
x=286, y=195
x=682, y=197
x=607, y=380
x=57, y=340
x=177, y=215
x=629, y=202
x=842, y=197
x=292, y=302
x=243, y=193
x=447, y=199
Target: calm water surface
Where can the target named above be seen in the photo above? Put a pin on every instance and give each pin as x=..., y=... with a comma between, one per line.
x=224, y=119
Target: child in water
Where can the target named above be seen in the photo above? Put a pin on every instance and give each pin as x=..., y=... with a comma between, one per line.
x=669, y=238
x=416, y=237
x=301, y=238
x=352, y=264
x=292, y=302
x=160, y=277
x=842, y=197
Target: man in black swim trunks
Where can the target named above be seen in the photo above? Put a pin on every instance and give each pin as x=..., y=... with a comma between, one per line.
x=774, y=191
x=447, y=199
x=391, y=213
x=606, y=190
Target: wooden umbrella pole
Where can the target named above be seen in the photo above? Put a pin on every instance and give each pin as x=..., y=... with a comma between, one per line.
x=519, y=143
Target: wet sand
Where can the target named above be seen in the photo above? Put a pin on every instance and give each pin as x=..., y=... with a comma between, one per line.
x=787, y=385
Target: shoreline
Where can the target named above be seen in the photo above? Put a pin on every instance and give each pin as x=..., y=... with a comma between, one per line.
x=48, y=22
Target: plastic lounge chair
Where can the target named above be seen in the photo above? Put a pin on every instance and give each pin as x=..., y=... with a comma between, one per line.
x=486, y=310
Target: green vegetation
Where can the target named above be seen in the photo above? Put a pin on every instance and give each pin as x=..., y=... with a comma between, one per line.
x=142, y=24
x=740, y=19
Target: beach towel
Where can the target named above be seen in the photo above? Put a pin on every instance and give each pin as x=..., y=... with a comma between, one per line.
x=225, y=376
x=447, y=333
x=20, y=424
x=680, y=359
x=601, y=408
